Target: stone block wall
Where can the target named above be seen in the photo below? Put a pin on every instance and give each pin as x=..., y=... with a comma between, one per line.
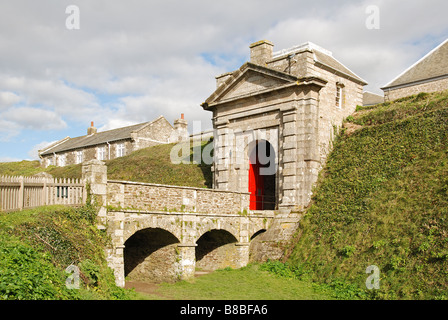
x=431, y=86
x=156, y=197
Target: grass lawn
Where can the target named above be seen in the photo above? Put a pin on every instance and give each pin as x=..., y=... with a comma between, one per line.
x=247, y=283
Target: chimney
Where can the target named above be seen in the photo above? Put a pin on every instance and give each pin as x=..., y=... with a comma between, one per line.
x=91, y=130
x=261, y=51
x=180, y=128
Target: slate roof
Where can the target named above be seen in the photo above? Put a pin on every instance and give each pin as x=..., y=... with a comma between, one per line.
x=98, y=138
x=330, y=61
x=432, y=65
x=370, y=98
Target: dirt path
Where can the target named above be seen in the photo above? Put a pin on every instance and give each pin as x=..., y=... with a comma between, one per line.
x=152, y=289
x=146, y=288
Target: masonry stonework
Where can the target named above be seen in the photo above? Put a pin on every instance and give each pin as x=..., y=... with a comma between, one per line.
x=162, y=233
x=293, y=101
x=431, y=86
x=111, y=144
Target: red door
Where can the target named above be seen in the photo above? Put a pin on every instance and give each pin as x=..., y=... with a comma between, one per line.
x=255, y=185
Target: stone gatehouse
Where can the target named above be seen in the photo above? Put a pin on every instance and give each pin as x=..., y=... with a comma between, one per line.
x=275, y=119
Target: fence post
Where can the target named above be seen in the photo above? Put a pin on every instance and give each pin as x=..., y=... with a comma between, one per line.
x=21, y=193
x=94, y=173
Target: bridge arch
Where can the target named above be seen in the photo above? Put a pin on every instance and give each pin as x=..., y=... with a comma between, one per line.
x=217, y=223
x=140, y=222
x=216, y=249
x=151, y=254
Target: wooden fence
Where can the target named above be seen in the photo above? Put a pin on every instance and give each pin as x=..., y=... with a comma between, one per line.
x=17, y=193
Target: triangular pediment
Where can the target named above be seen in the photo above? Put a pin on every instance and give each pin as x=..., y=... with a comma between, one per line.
x=250, y=80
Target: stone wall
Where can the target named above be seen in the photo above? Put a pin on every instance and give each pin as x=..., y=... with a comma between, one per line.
x=90, y=153
x=157, y=132
x=156, y=197
x=431, y=86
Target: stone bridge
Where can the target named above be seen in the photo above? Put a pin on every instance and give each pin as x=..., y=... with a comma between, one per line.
x=165, y=233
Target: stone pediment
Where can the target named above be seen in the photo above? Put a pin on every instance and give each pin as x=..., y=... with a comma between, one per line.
x=250, y=79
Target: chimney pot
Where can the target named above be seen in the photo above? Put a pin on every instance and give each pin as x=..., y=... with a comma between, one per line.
x=91, y=129
x=182, y=116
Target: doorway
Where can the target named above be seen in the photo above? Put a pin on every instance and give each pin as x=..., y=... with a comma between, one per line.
x=262, y=176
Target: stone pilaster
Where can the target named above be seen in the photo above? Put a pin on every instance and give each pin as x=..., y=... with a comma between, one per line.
x=187, y=260
x=94, y=172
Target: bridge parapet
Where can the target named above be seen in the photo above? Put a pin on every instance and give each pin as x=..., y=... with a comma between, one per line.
x=150, y=197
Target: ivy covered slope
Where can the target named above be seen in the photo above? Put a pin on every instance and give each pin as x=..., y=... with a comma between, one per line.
x=36, y=247
x=382, y=200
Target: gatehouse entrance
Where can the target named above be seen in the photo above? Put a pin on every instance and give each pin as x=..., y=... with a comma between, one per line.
x=262, y=173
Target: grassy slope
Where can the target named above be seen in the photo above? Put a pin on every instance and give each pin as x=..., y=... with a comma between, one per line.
x=37, y=245
x=248, y=283
x=382, y=200
x=146, y=165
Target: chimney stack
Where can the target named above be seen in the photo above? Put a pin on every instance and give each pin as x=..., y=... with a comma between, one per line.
x=91, y=130
x=181, y=129
x=261, y=51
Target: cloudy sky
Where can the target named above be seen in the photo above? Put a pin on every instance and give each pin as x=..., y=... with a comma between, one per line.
x=131, y=61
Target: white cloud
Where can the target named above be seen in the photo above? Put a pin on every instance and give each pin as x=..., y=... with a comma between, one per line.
x=33, y=153
x=34, y=118
x=8, y=98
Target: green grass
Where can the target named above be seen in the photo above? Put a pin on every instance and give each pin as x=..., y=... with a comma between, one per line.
x=154, y=165
x=382, y=200
x=20, y=168
x=248, y=283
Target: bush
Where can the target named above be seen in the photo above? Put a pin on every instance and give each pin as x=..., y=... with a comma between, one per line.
x=36, y=246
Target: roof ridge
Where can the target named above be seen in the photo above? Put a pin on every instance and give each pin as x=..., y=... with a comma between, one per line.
x=302, y=47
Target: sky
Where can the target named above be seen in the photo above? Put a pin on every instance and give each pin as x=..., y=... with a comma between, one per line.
x=65, y=63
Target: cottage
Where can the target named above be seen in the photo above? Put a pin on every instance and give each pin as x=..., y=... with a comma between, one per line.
x=114, y=143
x=428, y=74
x=274, y=120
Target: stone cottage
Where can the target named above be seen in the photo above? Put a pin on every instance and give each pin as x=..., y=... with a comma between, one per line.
x=428, y=74
x=114, y=143
x=275, y=119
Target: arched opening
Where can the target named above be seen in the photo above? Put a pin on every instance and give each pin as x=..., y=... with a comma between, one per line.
x=262, y=176
x=256, y=234
x=150, y=255
x=216, y=250
x=256, y=246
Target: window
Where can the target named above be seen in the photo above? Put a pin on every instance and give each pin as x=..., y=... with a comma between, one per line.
x=61, y=160
x=339, y=94
x=120, y=150
x=101, y=153
x=79, y=157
